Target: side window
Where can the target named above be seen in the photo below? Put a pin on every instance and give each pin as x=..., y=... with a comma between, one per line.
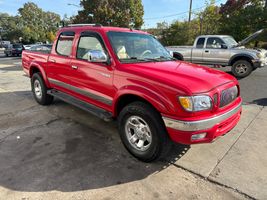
x=64, y=43
x=200, y=43
x=214, y=43
x=87, y=43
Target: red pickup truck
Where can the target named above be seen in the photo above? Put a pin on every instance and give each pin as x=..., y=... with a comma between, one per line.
x=127, y=75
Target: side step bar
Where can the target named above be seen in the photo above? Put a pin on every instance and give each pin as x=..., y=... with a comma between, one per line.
x=101, y=113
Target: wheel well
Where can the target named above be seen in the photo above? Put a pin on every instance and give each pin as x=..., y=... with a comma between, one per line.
x=241, y=58
x=178, y=56
x=126, y=100
x=34, y=70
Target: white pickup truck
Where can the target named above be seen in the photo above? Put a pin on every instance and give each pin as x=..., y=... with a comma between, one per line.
x=225, y=51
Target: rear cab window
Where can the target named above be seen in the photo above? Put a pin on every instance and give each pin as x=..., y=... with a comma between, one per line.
x=200, y=43
x=64, y=43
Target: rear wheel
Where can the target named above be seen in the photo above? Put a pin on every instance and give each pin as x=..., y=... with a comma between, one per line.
x=142, y=132
x=39, y=90
x=242, y=68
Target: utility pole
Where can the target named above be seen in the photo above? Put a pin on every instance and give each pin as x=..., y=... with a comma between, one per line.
x=190, y=11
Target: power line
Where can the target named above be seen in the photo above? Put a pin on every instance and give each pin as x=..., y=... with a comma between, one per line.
x=181, y=13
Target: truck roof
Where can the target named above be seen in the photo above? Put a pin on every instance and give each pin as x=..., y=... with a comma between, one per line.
x=214, y=36
x=83, y=27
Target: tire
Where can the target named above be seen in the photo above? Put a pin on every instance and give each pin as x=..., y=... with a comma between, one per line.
x=39, y=90
x=6, y=55
x=156, y=143
x=242, y=68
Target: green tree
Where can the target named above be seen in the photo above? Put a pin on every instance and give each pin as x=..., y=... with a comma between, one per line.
x=36, y=24
x=241, y=18
x=209, y=19
x=123, y=13
x=11, y=27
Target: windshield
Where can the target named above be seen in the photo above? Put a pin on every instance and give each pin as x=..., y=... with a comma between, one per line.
x=230, y=41
x=135, y=47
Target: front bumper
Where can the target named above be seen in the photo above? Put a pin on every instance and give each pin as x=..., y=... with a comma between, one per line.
x=260, y=63
x=182, y=131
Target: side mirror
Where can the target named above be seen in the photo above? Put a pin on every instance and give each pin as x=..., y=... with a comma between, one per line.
x=171, y=53
x=224, y=46
x=97, y=56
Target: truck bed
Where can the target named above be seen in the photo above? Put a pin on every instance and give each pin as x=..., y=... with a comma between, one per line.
x=179, y=47
x=28, y=57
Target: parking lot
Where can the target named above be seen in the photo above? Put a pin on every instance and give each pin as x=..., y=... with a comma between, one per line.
x=61, y=152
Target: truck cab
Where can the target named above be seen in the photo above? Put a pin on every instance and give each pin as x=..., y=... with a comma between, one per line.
x=211, y=50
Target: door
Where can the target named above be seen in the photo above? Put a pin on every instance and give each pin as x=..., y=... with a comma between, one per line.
x=92, y=81
x=197, y=51
x=214, y=53
x=59, y=62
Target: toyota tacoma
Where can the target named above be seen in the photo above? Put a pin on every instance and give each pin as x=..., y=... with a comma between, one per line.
x=127, y=75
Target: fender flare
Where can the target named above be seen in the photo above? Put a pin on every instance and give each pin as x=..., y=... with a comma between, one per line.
x=159, y=102
x=41, y=69
x=239, y=55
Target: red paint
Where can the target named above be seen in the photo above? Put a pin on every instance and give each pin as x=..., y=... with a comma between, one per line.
x=159, y=83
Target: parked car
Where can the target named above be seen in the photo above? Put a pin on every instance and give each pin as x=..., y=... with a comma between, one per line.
x=4, y=44
x=43, y=48
x=127, y=75
x=14, y=50
x=223, y=50
x=28, y=46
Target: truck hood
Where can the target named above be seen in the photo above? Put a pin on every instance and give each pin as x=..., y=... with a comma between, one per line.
x=182, y=75
x=250, y=38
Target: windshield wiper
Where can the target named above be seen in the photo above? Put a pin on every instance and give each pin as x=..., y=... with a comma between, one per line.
x=161, y=58
x=134, y=59
x=157, y=59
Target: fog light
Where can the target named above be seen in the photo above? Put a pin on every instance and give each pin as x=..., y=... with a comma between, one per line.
x=198, y=136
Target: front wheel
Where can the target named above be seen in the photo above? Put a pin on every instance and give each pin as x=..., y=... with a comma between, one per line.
x=39, y=90
x=242, y=68
x=142, y=132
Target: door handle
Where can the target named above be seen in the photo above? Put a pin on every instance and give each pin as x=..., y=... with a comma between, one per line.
x=207, y=51
x=74, y=67
x=53, y=60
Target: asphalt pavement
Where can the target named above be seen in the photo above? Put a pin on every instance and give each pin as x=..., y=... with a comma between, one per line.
x=62, y=152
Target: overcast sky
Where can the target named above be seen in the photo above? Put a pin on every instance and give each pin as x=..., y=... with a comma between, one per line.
x=155, y=10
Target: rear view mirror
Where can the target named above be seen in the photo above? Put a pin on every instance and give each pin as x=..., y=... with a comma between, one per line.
x=97, y=56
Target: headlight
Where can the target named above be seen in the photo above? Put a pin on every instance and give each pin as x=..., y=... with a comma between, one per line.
x=195, y=103
x=260, y=56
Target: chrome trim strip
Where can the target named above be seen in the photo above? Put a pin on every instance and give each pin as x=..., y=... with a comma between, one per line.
x=80, y=91
x=201, y=124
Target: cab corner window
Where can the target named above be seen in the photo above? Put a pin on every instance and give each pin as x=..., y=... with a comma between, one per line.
x=64, y=43
x=200, y=43
x=88, y=43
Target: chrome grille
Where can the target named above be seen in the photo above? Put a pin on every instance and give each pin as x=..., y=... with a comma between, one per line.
x=228, y=96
